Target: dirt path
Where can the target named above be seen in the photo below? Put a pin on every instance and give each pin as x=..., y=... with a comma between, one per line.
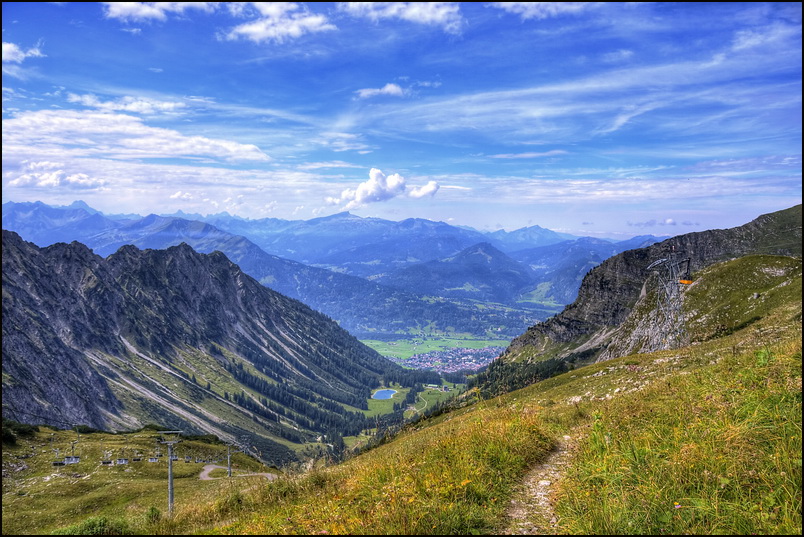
x=531, y=510
x=204, y=475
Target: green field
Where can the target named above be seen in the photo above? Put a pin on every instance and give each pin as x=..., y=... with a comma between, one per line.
x=429, y=397
x=405, y=348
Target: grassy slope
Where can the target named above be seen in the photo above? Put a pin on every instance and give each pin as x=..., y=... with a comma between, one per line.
x=704, y=439
x=40, y=497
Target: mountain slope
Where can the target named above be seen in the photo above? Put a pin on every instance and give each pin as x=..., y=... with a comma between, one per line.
x=175, y=337
x=700, y=440
x=582, y=332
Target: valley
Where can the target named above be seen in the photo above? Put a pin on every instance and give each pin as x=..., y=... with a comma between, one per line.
x=402, y=268
x=678, y=435
x=417, y=276
x=700, y=439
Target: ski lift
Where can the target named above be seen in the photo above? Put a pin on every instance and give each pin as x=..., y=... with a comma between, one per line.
x=72, y=459
x=105, y=457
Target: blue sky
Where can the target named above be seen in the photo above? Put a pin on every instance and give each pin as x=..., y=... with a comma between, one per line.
x=609, y=119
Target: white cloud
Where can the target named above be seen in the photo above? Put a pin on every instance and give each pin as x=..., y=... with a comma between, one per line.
x=429, y=189
x=388, y=89
x=182, y=195
x=56, y=179
x=142, y=11
x=655, y=223
x=138, y=105
x=447, y=15
x=342, y=141
x=544, y=10
x=380, y=187
x=13, y=56
x=748, y=39
x=330, y=164
x=279, y=21
x=62, y=133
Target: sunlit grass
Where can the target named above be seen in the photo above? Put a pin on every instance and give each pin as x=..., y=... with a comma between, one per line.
x=714, y=451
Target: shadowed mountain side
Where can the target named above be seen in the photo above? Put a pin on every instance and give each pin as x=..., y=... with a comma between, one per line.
x=175, y=337
x=480, y=272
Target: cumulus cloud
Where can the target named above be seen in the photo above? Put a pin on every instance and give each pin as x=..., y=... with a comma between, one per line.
x=277, y=22
x=14, y=54
x=447, y=15
x=381, y=187
x=138, y=105
x=181, y=195
x=429, y=189
x=45, y=174
x=388, y=89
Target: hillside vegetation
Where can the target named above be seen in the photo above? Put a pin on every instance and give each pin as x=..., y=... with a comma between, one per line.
x=703, y=439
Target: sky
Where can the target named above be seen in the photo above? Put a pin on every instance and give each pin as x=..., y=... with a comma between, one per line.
x=601, y=119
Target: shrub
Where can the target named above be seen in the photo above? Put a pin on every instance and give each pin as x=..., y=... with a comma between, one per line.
x=99, y=525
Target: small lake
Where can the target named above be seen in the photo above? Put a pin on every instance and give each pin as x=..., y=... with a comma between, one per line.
x=383, y=394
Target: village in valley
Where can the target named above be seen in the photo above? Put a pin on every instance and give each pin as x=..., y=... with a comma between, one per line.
x=451, y=360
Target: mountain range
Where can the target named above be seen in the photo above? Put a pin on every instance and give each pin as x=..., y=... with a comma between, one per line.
x=695, y=435
x=179, y=338
x=355, y=268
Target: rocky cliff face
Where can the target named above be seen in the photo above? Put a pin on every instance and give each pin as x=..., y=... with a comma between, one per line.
x=609, y=293
x=173, y=337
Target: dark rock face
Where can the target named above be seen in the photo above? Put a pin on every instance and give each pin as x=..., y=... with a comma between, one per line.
x=49, y=379
x=83, y=337
x=610, y=290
